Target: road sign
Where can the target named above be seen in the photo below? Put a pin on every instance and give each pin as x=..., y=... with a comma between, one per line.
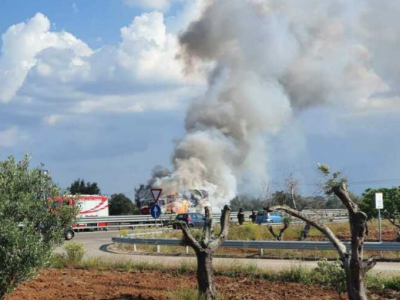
x=155, y=211
x=155, y=193
x=379, y=206
x=379, y=201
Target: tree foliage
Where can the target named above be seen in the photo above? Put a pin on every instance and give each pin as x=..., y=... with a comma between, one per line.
x=245, y=202
x=391, y=204
x=122, y=205
x=29, y=229
x=80, y=187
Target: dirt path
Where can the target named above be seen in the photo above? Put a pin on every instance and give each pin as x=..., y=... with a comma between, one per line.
x=112, y=285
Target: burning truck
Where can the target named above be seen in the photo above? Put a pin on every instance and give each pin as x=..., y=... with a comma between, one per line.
x=178, y=202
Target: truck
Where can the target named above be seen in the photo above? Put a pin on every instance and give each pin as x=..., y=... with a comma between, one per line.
x=89, y=206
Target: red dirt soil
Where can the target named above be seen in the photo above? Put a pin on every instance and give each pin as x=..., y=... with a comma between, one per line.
x=151, y=285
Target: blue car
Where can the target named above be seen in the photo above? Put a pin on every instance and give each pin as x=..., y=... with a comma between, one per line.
x=268, y=217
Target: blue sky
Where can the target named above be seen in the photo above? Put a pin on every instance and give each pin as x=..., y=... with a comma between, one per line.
x=96, y=92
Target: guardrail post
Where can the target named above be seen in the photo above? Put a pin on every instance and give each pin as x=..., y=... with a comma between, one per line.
x=158, y=249
x=187, y=249
x=262, y=252
x=134, y=248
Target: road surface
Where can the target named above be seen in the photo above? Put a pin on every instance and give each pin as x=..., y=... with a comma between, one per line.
x=96, y=244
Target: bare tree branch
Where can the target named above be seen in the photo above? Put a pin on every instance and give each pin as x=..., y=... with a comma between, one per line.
x=224, y=229
x=281, y=231
x=207, y=227
x=340, y=190
x=188, y=237
x=340, y=247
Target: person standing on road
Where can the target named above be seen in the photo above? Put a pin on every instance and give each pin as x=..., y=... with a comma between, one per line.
x=240, y=216
x=253, y=216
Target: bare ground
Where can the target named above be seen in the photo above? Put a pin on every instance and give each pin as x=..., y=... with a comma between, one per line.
x=153, y=285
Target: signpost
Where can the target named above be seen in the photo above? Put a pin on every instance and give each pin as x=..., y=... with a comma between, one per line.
x=155, y=211
x=379, y=206
x=155, y=193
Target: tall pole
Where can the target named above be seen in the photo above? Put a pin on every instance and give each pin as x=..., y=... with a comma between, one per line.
x=380, y=227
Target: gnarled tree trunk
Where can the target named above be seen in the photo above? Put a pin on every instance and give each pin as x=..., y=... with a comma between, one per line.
x=205, y=275
x=205, y=250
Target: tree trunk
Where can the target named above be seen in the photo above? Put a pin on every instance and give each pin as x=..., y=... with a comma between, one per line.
x=355, y=267
x=305, y=232
x=205, y=278
x=355, y=281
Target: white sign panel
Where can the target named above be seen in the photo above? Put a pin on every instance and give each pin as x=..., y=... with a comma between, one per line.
x=379, y=201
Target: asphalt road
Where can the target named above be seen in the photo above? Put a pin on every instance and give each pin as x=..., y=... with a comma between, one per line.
x=96, y=243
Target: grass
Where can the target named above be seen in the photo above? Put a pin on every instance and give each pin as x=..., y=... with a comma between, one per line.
x=254, y=232
x=187, y=294
x=251, y=231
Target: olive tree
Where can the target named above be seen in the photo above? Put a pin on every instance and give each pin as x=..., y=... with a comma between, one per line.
x=205, y=249
x=352, y=259
x=391, y=205
x=29, y=228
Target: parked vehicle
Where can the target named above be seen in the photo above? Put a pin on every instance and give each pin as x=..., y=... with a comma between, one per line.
x=89, y=206
x=193, y=220
x=69, y=233
x=268, y=217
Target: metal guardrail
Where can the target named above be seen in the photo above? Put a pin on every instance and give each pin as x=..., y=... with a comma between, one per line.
x=292, y=245
x=327, y=214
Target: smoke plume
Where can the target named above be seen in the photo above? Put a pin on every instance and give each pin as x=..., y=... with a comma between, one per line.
x=266, y=61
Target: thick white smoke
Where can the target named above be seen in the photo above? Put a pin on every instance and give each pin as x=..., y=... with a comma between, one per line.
x=268, y=60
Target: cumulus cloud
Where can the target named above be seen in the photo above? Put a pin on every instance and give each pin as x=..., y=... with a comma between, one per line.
x=138, y=74
x=21, y=44
x=147, y=50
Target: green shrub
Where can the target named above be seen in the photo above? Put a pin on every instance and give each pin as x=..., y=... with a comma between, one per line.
x=330, y=274
x=74, y=253
x=374, y=282
x=29, y=229
x=123, y=233
x=296, y=273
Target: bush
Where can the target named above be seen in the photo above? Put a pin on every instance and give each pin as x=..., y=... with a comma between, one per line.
x=29, y=230
x=123, y=233
x=74, y=253
x=330, y=274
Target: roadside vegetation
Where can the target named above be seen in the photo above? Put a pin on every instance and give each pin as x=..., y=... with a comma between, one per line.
x=30, y=229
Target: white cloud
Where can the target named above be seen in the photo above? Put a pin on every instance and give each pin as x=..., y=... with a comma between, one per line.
x=21, y=44
x=138, y=74
x=161, y=5
x=162, y=100
x=147, y=52
x=11, y=136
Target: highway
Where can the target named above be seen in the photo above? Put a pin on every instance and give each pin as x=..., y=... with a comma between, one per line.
x=95, y=244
